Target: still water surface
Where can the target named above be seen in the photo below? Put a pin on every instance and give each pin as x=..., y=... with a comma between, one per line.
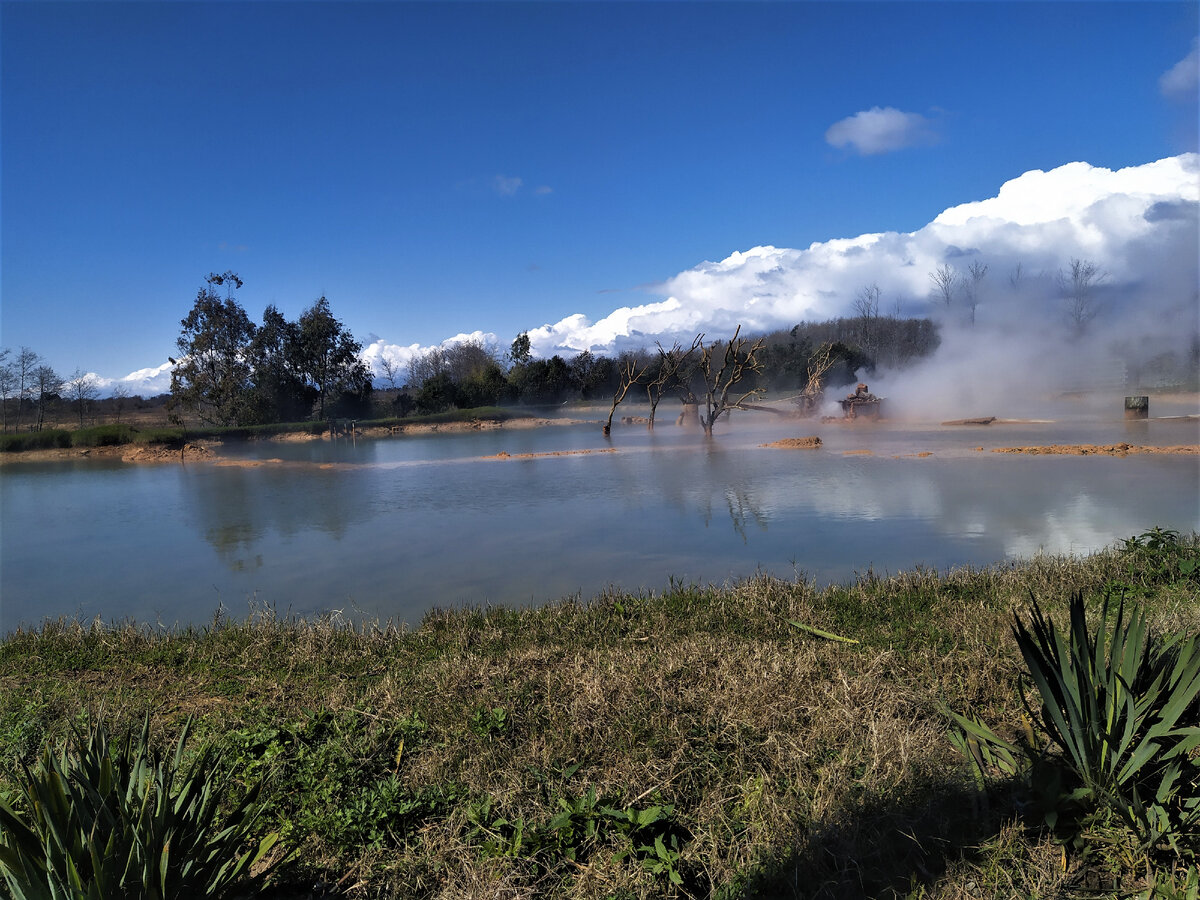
x=390, y=528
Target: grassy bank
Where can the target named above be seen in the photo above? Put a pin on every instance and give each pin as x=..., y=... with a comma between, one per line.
x=699, y=742
x=120, y=435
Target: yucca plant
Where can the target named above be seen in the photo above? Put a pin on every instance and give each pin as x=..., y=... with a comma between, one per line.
x=101, y=820
x=1120, y=722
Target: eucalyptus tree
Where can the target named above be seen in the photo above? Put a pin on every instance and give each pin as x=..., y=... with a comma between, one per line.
x=280, y=393
x=329, y=359
x=212, y=376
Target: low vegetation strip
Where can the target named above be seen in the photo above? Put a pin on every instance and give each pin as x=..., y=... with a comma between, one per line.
x=116, y=435
x=763, y=739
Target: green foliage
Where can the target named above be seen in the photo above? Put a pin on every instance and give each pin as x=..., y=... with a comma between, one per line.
x=99, y=820
x=103, y=436
x=1120, y=719
x=489, y=723
x=213, y=374
x=578, y=826
x=338, y=777
x=161, y=435
x=1159, y=556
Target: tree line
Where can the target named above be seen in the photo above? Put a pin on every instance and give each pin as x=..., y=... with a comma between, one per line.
x=231, y=371
x=31, y=390
x=803, y=358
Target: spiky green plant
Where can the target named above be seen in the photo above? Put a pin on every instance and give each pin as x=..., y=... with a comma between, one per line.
x=1120, y=720
x=103, y=820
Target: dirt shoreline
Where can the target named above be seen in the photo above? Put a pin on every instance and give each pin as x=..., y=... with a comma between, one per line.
x=209, y=449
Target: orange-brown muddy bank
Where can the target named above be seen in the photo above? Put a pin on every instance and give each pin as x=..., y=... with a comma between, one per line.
x=803, y=443
x=1096, y=449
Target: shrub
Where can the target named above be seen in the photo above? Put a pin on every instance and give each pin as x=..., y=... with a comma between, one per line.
x=48, y=439
x=103, y=436
x=1120, y=719
x=104, y=820
x=162, y=435
x=1160, y=556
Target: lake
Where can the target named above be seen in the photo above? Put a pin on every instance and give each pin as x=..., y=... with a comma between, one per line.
x=389, y=528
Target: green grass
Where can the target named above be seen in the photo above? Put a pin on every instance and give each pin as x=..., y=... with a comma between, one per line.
x=502, y=751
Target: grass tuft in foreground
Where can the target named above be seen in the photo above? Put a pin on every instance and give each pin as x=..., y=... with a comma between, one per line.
x=101, y=819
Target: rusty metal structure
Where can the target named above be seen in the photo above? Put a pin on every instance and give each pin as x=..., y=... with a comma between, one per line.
x=862, y=404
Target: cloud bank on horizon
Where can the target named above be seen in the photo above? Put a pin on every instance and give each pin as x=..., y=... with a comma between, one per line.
x=1138, y=224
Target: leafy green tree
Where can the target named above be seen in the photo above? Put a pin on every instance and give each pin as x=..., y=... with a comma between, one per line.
x=438, y=393
x=483, y=387
x=329, y=361
x=280, y=392
x=521, y=352
x=212, y=375
x=543, y=380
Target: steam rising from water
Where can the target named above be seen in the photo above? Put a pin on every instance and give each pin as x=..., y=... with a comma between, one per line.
x=1137, y=225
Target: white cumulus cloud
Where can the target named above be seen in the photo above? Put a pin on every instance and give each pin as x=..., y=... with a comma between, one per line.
x=881, y=130
x=1124, y=219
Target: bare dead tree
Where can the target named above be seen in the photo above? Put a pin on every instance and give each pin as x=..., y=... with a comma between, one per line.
x=1078, y=286
x=629, y=374
x=8, y=385
x=24, y=366
x=391, y=372
x=120, y=396
x=81, y=387
x=944, y=279
x=48, y=384
x=739, y=361
x=671, y=364
x=1016, y=275
x=972, y=285
x=819, y=365
x=866, y=304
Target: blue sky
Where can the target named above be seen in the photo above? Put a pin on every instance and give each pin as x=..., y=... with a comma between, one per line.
x=437, y=168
